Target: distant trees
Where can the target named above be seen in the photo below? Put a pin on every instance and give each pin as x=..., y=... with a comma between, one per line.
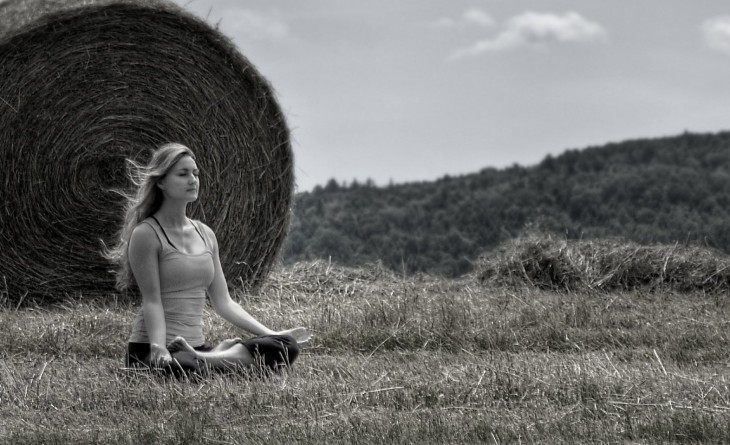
x=652, y=190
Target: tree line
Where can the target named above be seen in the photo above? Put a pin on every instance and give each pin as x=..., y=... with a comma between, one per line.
x=661, y=190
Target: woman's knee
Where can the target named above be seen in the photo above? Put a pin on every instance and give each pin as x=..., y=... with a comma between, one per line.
x=290, y=349
x=274, y=351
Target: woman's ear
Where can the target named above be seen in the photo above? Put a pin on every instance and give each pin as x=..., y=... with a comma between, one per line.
x=160, y=185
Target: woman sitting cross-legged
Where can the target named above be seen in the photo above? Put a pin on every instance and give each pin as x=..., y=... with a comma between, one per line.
x=174, y=262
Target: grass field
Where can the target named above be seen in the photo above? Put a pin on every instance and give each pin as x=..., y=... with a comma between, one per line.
x=394, y=360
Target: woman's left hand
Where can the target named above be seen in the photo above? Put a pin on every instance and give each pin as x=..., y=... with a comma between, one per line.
x=300, y=334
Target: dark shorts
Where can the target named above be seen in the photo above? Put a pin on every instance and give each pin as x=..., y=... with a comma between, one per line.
x=271, y=351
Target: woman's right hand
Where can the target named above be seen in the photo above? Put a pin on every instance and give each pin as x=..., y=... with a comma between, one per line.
x=159, y=356
x=300, y=334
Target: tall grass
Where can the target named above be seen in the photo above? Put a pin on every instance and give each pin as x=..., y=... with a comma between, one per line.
x=395, y=360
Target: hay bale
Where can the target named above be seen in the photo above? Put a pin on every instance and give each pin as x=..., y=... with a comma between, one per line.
x=86, y=84
x=550, y=262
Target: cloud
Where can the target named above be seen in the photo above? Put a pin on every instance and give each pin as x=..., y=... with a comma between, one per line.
x=470, y=17
x=716, y=33
x=533, y=29
x=254, y=25
x=477, y=17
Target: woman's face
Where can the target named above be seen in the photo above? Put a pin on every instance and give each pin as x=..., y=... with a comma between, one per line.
x=181, y=182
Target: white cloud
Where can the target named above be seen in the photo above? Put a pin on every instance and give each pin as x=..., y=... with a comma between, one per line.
x=477, y=17
x=537, y=29
x=716, y=33
x=254, y=25
x=470, y=17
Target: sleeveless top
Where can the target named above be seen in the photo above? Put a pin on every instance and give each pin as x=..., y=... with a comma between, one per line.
x=184, y=280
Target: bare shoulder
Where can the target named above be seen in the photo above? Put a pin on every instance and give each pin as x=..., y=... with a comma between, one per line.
x=144, y=235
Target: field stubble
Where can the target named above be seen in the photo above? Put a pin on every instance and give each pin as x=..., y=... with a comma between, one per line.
x=394, y=360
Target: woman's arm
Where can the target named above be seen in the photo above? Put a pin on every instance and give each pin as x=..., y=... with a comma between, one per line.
x=143, y=254
x=222, y=302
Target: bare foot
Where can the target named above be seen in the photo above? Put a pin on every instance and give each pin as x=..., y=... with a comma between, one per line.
x=225, y=344
x=179, y=344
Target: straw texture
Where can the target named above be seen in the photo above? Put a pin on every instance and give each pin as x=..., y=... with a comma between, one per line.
x=551, y=262
x=86, y=84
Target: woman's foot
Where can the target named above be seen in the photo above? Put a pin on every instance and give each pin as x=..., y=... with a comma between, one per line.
x=180, y=344
x=227, y=344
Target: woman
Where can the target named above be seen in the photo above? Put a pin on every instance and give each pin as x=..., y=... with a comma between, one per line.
x=174, y=263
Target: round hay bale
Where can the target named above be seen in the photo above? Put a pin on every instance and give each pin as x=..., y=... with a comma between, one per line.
x=85, y=85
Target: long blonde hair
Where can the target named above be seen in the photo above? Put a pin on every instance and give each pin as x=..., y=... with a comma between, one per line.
x=142, y=204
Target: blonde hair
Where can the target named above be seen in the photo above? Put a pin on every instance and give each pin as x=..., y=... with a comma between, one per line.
x=142, y=204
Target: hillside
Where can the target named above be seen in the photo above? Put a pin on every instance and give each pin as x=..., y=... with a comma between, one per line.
x=671, y=189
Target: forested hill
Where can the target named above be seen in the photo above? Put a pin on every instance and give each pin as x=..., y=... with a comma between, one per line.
x=673, y=189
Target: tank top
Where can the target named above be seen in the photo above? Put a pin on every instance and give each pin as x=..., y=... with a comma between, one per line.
x=184, y=280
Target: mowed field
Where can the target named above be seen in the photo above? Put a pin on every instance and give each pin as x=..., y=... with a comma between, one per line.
x=394, y=360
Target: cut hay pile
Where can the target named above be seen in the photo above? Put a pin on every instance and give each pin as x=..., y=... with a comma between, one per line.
x=86, y=84
x=546, y=261
x=319, y=277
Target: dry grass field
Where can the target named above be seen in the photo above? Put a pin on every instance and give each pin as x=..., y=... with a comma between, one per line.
x=394, y=360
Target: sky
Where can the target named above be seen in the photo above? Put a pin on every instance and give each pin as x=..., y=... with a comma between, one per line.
x=413, y=90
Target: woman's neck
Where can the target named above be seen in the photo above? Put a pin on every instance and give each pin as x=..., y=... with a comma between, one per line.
x=172, y=214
